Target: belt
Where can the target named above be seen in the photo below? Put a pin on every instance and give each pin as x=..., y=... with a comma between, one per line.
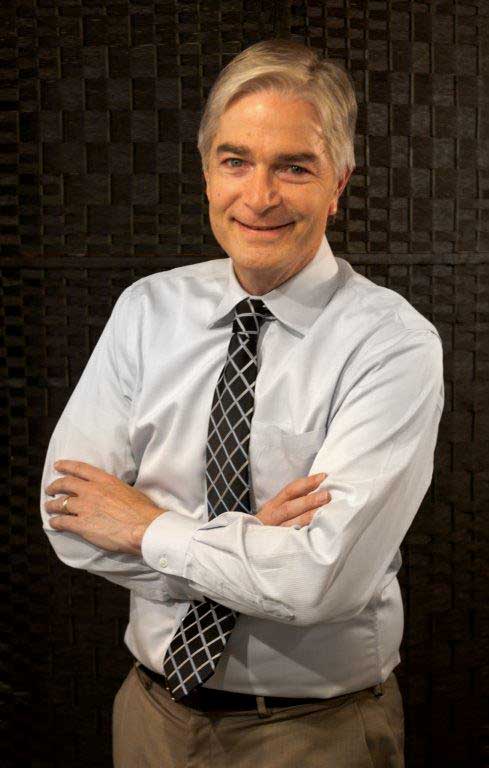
x=207, y=699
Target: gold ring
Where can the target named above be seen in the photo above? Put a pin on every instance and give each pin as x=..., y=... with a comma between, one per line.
x=63, y=506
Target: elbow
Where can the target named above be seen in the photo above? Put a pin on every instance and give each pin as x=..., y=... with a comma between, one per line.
x=71, y=550
x=306, y=614
x=298, y=612
x=326, y=607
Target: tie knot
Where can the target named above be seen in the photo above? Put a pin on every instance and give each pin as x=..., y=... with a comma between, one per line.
x=249, y=314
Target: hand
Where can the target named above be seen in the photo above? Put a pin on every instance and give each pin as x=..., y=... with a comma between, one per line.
x=295, y=504
x=100, y=508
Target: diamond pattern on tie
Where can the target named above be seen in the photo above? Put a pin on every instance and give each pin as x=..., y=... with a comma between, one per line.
x=202, y=636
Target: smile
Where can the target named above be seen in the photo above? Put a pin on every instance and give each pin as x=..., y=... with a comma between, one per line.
x=263, y=229
x=249, y=228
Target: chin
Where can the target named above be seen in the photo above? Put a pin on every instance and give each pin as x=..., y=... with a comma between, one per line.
x=258, y=259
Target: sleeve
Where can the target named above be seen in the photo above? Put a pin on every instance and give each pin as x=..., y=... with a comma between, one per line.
x=94, y=427
x=378, y=453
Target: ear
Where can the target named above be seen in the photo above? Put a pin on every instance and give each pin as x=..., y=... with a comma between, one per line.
x=342, y=182
x=205, y=174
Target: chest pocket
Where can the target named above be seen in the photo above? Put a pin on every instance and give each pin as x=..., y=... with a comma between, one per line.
x=278, y=457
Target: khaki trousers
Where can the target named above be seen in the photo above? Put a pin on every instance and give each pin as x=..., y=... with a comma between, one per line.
x=358, y=730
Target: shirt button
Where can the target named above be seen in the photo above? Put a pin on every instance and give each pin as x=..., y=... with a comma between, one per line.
x=163, y=562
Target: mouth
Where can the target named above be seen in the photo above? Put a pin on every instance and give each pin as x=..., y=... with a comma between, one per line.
x=272, y=229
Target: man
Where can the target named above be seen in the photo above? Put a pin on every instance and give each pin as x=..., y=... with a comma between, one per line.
x=276, y=413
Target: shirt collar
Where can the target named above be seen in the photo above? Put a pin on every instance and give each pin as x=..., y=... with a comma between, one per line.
x=297, y=303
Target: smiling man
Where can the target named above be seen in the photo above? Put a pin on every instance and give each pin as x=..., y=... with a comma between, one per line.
x=246, y=449
x=271, y=186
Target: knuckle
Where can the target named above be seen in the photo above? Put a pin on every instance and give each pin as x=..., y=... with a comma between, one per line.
x=287, y=522
x=287, y=491
x=286, y=509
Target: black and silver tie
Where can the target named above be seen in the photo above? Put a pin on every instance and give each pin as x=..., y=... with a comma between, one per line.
x=200, y=639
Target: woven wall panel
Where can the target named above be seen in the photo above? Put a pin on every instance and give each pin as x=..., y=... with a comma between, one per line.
x=109, y=95
x=101, y=184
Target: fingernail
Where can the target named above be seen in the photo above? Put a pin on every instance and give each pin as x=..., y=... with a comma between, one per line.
x=321, y=475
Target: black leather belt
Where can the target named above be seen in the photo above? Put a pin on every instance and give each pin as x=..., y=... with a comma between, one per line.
x=213, y=699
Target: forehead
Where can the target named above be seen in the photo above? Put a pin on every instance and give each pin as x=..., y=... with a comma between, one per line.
x=269, y=123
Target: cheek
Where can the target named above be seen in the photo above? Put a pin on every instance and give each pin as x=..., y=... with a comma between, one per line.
x=220, y=198
x=308, y=198
x=318, y=202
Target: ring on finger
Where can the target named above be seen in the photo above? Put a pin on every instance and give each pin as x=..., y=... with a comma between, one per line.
x=64, y=505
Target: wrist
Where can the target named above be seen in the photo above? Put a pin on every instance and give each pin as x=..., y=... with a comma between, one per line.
x=136, y=538
x=138, y=531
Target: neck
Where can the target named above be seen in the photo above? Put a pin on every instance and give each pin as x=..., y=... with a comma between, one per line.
x=259, y=282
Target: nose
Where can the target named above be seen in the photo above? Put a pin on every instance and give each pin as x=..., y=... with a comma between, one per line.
x=261, y=192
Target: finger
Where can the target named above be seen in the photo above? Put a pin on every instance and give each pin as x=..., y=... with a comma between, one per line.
x=313, y=500
x=80, y=469
x=58, y=506
x=66, y=523
x=295, y=507
x=67, y=484
x=299, y=487
x=301, y=520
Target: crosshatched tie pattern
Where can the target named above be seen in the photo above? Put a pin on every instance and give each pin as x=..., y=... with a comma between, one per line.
x=202, y=636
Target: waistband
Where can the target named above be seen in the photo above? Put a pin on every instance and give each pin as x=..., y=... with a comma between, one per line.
x=209, y=699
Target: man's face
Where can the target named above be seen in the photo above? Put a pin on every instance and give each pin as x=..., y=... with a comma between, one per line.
x=268, y=169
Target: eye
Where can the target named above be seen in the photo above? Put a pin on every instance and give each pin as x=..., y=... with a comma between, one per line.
x=230, y=162
x=298, y=168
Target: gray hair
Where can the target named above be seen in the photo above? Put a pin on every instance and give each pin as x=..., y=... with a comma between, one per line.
x=290, y=68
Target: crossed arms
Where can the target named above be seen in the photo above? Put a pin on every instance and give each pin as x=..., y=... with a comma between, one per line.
x=378, y=453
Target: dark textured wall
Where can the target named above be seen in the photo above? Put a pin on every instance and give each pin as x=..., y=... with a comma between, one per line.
x=101, y=184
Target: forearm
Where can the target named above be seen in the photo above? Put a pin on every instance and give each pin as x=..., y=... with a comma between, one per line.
x=378, y=453
x=126, y=570
x=325, y=572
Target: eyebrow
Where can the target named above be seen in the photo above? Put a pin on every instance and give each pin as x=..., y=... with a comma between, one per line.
x=243, y=151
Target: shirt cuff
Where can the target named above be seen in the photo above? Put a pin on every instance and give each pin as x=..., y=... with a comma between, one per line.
x=166, y=541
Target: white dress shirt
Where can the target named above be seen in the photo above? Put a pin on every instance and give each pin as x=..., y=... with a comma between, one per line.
x=350, y=383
